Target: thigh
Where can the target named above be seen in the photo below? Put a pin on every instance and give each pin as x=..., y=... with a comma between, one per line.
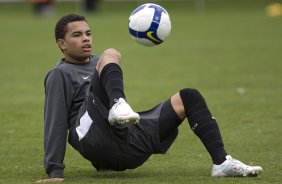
x=99, y=142
x=168, y=121
x=156, y=130
x=97, y=90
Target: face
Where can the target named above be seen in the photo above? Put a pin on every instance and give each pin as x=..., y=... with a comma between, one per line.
x=77, y=44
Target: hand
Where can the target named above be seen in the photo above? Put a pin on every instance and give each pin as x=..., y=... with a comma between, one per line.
x=50, y=180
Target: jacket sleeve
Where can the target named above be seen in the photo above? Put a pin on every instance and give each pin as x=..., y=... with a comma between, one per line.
x=57, y=102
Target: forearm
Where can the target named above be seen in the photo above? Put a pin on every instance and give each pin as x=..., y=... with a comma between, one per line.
x=55, y=125
x=54, y=150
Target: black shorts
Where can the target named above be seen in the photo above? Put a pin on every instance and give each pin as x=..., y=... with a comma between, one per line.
x=118, y=147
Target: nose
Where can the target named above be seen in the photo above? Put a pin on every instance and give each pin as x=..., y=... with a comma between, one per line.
x=86, y=38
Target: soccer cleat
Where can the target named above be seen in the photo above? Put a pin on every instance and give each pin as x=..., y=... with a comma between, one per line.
x=121, y=113
x=234, y=168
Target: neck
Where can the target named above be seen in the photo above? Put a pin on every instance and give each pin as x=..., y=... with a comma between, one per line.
x=77, y=60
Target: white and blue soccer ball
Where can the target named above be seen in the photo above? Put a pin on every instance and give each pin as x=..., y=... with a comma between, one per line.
x=149, y=24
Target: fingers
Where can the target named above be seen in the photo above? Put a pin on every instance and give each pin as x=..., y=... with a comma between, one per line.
x=50, y=180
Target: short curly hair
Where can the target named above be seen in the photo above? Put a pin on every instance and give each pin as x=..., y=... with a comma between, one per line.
x=61, y=26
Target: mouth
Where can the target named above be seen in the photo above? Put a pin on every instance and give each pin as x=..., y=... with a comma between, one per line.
x=86, y=48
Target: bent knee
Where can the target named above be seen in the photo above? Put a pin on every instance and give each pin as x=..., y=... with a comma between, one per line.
x=190, y=92
x=178, y=106
x=108, y=56
x=191, y=98
x=112, y=53
x=185, y=99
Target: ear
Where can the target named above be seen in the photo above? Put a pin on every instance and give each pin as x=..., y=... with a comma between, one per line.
x=61, y=43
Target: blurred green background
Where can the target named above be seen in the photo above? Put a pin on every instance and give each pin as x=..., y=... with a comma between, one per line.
x=230, y=50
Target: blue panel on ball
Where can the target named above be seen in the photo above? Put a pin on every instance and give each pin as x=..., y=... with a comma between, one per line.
x=158, y=13
x=138, y=9
x=133, y=32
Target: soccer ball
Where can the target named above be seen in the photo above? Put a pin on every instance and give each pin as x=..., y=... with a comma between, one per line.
x=149, y=24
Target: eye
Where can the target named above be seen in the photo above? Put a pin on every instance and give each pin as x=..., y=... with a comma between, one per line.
x=76, y=35
x=89, y=33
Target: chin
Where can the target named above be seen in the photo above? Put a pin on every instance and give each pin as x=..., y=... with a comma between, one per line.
x=87, y=55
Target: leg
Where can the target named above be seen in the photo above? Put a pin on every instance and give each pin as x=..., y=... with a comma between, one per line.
x=190, y=103
x=203, y=123
x=44, y=7
x=110, y=74
x=90, y=5
x=108, y=56
x=206, y=127
x=169, y=119
x=178, y=106
x=111, y=77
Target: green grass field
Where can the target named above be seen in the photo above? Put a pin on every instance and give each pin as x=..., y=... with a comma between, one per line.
x=230, y=47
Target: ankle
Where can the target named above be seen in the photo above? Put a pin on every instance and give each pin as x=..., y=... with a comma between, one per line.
x=220, y=159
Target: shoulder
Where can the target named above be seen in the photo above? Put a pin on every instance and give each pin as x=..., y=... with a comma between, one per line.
x=61, y=69
x=54, y=75
x=58, y=68
x=57, y=73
